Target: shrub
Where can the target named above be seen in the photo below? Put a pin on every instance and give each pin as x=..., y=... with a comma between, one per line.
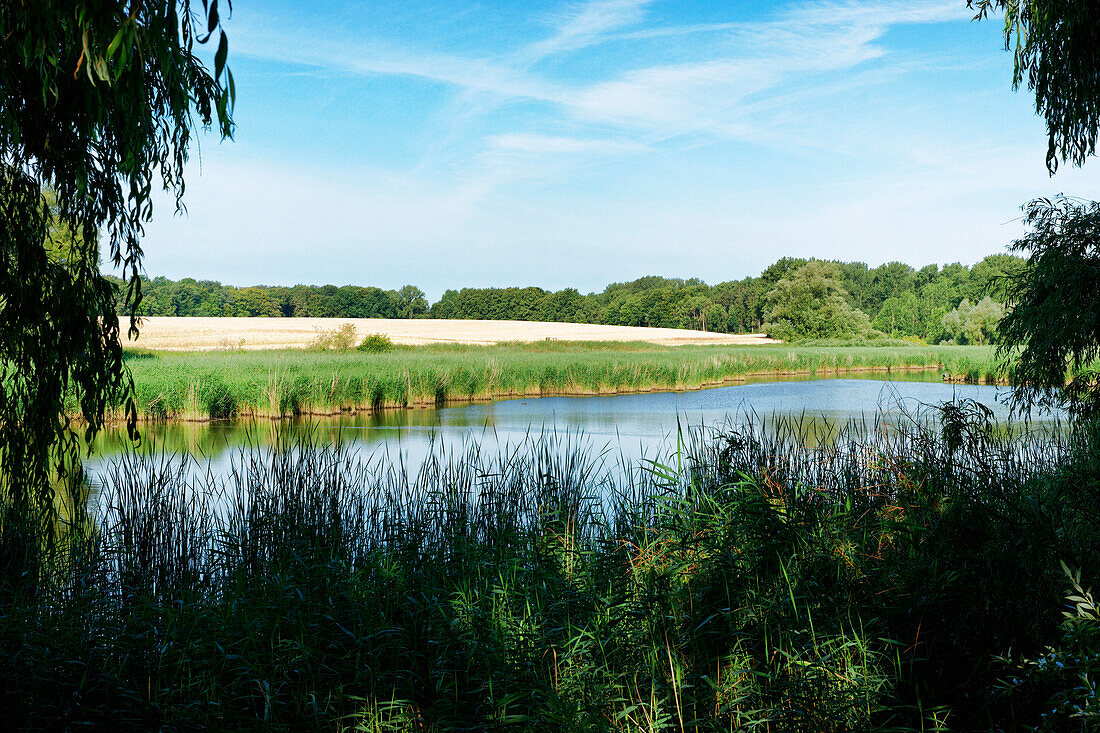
x=228, y=344
x=341, y=338
x=1065, y=673
x=376, y=342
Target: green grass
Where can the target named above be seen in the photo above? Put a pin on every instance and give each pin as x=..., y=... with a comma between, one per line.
x=199, y=386
x=885, y=581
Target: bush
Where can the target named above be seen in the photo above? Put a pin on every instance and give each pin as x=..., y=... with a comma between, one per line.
x=376, y=343
x=1064, y=675
x=341, y=338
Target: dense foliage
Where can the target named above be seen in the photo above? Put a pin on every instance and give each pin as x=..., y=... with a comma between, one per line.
x=900, y=301
x=885, y=581
x=810, y=303
x=1056, y=51
x=1055, y=306
x=99, y=101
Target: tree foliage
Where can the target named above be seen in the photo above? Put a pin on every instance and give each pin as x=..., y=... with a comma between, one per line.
x=411, y=302
x=902, y=301
x=973, y=324
x=1056, y=50
x=810, y=303
x=1054, y=306
x=100, y=99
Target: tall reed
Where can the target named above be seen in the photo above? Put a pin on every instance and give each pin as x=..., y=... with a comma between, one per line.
x=871, y=578
x=199, y=386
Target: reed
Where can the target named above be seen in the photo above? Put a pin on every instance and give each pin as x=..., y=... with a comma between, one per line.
x=781, y=576
x=276, y=384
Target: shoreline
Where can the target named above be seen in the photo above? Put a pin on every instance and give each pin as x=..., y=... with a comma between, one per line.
x=306, y=410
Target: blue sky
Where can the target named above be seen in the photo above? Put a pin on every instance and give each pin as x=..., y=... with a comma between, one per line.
x=571, y=144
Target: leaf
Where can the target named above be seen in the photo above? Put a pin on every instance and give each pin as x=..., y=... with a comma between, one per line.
x=101, y=69
x=112, y=47
x=219, y=57
x=212, y=17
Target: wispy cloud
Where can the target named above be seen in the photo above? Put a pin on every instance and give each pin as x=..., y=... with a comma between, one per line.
x=548, y=144
x=706, y=93
x=584, y=24
x=631, y=125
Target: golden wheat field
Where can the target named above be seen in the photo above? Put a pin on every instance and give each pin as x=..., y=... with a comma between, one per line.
x=207, y=334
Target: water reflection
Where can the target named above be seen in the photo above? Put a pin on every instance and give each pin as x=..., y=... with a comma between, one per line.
x=636, y=425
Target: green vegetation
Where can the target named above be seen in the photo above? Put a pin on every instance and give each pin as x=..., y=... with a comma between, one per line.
x=896, y=579
x=99, y=103
x=888, y=581
x=810, y=303
x=198, y=386
x=900, y=300
x=341, y=338
x=1055, y=306
x=376, y=343
x=1054, y=52
x=973, y=324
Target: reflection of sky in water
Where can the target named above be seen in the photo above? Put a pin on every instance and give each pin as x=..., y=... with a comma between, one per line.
x=636, y=425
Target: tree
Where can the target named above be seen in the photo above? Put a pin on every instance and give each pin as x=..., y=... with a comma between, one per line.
x=981, y=325
x=1054, y=307
x=899, y=315
x=411, y=302
x=993, y=275
x=1056, y=48
x=100, y=99
x=973, y=324
x=1052, y=321
x=889, y=281
x=809, y=303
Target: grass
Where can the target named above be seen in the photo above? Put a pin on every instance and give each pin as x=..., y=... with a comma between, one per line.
x=202, y=386
x=887, y=580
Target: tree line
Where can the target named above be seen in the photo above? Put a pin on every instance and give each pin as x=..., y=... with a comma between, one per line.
x=793, y=298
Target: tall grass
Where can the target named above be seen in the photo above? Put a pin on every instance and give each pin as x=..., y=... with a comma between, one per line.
x=200, y=386
x=744, y=581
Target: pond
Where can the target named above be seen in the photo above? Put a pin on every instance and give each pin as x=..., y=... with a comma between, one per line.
x=632, y=426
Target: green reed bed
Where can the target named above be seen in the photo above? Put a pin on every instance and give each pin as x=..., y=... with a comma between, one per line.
x=200, y=386
x=892, y=579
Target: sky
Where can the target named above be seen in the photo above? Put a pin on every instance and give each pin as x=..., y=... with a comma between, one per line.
x=572, y=144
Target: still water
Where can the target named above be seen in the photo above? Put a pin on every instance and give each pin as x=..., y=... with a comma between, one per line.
x=633, y=426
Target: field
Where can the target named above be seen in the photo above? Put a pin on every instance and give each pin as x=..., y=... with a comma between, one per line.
x=282, y=383
x=206, y=334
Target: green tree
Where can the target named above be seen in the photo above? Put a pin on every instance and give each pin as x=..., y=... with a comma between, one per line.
x=100, y=99
x=899, y=316
x=973, y=324
x=411, y=302
x=1053, y=320
x=700, y=312
x=1054, y=46
x=810, y=303
x=992, y=276
x=251, y=302
x=1053, y=300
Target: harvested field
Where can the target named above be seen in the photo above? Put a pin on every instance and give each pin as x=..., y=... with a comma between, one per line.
x=207, y=334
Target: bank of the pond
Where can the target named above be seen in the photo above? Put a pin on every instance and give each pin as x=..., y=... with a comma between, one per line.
x=278, y=384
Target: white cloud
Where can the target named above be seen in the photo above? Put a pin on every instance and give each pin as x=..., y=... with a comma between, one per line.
x=585, y=24
x=548, y=144
x=708, y=93
x=599, y=170
x=685, y=96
